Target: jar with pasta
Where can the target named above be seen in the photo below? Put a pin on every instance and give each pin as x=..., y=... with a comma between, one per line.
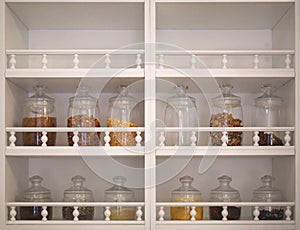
x=39, y=111
x=186, y=193
x=226, y=112
x=123, y=112
x=84, y=112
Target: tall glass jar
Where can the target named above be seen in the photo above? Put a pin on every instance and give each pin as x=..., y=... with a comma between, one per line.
x=225, y=193
x=267, y=193
x=84, y=112
x=39, y=111
x=267, y=114
x=123, y=112
x=78, y=193
x=36, y=193
x=186, y=193
x=181, y=112
x=119, y=193
x=227, y=112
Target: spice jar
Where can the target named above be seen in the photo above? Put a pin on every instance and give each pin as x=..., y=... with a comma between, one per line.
x=119, y=193
x=227, y=112
x=267, y=114
x=78, y=193
x=36, y=193
x=84, y=112
x=186, y=193
x=180, y=112
x=224, y=193
x=39, y=111
x=123, y=112
x=267, y=193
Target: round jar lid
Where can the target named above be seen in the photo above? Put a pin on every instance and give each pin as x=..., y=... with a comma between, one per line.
x=36, y=192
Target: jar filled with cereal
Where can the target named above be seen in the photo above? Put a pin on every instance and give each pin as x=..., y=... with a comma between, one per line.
x=186, y=193
x=39, y=111
x=84, y=112
x=226, y=112
x=123, y=112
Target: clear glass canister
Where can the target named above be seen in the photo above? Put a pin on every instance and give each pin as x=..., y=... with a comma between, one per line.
x=39, y=111
x=267, y=114
x=224, y=193
x=186, y=193
x=267, y=193
x=227, y=112
x=84, y=112
x=119, y=193
x=123, y=112
x=181, y=112
x=36, y=193
x=78, y=193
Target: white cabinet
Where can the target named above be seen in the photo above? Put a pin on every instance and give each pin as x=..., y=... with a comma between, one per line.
x=150, y=46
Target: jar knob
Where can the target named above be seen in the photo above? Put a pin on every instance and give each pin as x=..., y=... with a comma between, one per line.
x=267, y=89
x=119, y=180
x=267, y=180
x=226, y=89
x=224, y=180
x=186, y=181
x=78, y=181
x=36, y=180
x=40, y=90
x=181, y=89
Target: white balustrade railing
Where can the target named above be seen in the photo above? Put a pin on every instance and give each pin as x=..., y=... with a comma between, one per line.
x=224, y=56
x=224, y=131
x=14, y=208
x=256, y=207
x=74, y=56
x=76, y=132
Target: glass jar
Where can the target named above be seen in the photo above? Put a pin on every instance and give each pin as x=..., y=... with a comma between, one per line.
x=186, y=193
x=123, y=112
x=267, y=193
x=39, y=111
x=267, y=114
x=36, y=193
x=226, y=112
x=78, y=193
x=181, y=112
x=224, y=193
x=84, y=112
x=119, y=193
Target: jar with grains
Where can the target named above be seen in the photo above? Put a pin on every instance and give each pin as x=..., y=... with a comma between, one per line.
x=225, y=193
x=186, y=193
x=119, y=193
x=181, y=112
x=84, y=112
x=268, y=193
x=268, y=114
x=123, y=112
x=39, y=111
x=226, y=112
x=78, y=193
x=36, y=193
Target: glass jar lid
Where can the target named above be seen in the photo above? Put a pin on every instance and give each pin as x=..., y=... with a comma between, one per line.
x=227, y=99
x=123, y=98
x=36, y=192
x=186, y=186
x=119, y=193
x=40, y=103
x=181, y=99
x=83, y=97
x=268, y=99
x=225, y=193
x=267, y=192
x=77, y=192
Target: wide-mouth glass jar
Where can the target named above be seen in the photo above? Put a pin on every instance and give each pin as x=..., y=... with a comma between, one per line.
x=268, y=193
x=84, y=112
x=123, y=112
x=35, y=193
x=226, y=112
x=39, y=111
x=78, y=193
x=119, y=193
x=181, y=112
x=186, y=193
x=225, y=193
x=268, y=114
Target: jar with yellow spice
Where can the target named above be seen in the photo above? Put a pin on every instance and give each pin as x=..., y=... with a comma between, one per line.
x=186, y=193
